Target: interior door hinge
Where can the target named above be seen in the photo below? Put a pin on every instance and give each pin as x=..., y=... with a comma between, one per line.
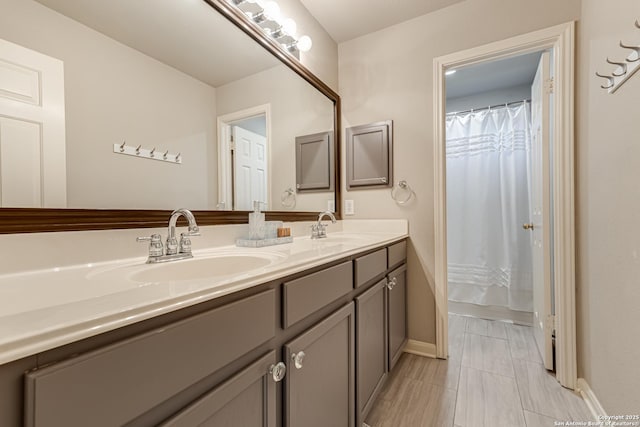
x=548, y=86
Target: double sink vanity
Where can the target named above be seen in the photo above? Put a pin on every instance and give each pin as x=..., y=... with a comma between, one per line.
x=300, y=334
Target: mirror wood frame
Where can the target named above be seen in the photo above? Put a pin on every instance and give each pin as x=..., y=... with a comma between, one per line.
x=35, y=220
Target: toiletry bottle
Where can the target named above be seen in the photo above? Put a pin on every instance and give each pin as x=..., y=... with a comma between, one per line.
x=256, y=222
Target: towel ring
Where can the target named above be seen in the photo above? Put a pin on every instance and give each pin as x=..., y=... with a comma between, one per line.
x=403, y=187
x=288, y=198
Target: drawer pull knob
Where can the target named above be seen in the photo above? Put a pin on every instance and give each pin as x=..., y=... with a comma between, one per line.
x=278, y=371
x=392, y=283
x=298, y=359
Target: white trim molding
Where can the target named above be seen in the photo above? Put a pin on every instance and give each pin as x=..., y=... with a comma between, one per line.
x=582, y=387
x=561, y=40
x=420, y=348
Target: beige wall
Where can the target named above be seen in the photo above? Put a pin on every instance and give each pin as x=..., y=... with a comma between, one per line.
x=608, y=209
x=297, y=109
x=388, y=75
x=322, y=59
x=115, y=93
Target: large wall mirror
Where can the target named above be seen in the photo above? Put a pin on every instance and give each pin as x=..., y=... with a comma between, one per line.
x=113, y=113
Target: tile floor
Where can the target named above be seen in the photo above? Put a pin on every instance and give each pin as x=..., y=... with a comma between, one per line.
x=494, y=377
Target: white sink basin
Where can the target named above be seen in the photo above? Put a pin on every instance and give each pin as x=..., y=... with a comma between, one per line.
x=202, y=267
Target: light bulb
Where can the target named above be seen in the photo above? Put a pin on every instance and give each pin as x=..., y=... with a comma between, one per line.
x=272, y=10
x=304, y=43
x=290, y=27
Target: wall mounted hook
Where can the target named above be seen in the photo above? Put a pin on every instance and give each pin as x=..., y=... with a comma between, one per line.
x=610, y=80
x=637, y=23
x=636, y=49
x=138, y=149
x=178, y=157
x=166, y=153
x=122, y=146
x=622, y=65
x=152, y=153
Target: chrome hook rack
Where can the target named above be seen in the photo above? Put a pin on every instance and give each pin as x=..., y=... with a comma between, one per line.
x=146, y=153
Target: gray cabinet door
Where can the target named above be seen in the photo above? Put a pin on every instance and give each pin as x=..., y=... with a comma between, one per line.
x=315, y=169
x=319, y=386
x=248, y=399
x=371, y=347
x=370, y=155
x=397, y=297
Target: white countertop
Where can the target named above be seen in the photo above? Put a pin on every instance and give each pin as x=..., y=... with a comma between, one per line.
x=47, y=308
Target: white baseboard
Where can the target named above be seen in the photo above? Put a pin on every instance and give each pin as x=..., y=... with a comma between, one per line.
x=582, y=387
x=420, y=348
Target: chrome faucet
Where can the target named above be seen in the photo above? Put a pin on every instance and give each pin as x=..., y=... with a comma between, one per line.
x=319, y=230
x=174, y=250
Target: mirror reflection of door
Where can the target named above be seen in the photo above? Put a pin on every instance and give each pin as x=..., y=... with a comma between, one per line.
x=249, y=162
x=32, y=129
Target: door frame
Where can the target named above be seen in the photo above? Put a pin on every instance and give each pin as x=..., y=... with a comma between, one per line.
x=225, y=169
x=561, y=39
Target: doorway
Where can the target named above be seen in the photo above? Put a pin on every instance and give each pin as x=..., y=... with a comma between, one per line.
x=244, y=174
x=497, y=152
x=559, y=175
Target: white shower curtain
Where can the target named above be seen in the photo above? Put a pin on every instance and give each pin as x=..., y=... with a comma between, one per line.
x=488, y=198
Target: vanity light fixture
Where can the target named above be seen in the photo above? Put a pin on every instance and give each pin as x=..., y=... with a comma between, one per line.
x=268, y=16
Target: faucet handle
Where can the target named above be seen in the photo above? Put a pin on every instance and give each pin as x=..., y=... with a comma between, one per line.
x=155, y=244
x=185, y=242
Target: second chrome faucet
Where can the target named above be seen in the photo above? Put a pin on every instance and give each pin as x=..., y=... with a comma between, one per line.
x=175, y=249
x=319, y=230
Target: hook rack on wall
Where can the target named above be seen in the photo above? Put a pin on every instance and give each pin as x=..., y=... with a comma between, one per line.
x=146, y=153
x=624, y=69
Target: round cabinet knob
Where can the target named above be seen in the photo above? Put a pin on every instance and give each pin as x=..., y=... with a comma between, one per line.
x=298, y=359
x=278, y=371
x=527, y=226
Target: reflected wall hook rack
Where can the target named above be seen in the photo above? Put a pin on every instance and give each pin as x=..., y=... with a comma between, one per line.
x=145, y=153
x=624, y=69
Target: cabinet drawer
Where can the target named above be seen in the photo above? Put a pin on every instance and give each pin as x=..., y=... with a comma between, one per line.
x=115, y=384
x=397, y=254
x=310, y=293
x=370, y=266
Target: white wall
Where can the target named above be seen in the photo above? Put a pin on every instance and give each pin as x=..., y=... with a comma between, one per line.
x=388, y=75
x=114, y=93
x=489, y=98
x=608, y=209
x=297, y=109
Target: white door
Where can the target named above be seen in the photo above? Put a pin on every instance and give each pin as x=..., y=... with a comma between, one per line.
x=540, y=218
x=32, y=129
x=250, y=168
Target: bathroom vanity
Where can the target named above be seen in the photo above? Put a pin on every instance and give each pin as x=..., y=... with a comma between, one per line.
x=306, y=340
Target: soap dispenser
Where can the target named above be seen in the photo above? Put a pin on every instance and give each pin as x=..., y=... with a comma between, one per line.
x=256, y=222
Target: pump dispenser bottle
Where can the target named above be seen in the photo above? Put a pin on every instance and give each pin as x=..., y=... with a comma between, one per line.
x=256, y=222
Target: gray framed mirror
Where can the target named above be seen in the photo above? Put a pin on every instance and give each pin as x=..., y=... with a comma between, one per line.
x=143, y=98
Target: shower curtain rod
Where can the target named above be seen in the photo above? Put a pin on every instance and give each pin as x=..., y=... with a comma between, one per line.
x=473, y=110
